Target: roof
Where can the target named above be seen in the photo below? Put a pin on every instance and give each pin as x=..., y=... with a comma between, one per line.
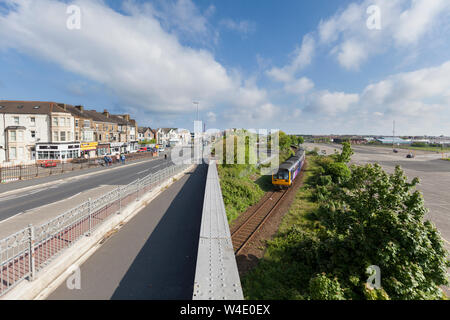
x=144, y=129
x=99, y=117
x=390, y=140
x=166, y=130
x=77, y=112
x=30, y=107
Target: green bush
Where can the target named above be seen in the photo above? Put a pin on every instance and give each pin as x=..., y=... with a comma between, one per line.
x=323, y=287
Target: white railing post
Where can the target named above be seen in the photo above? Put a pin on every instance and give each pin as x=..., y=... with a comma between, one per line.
x=120, y=199
x=90, y=216
x=31, y=251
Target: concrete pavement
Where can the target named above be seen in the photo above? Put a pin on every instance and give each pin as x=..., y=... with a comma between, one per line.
x=154, y=255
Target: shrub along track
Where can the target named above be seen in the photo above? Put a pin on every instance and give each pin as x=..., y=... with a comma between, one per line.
x=260, y=223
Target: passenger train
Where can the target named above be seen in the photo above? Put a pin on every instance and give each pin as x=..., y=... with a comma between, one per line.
x=289, y=170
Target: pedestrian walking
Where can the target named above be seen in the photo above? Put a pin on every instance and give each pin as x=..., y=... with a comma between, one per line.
x=117, y=158
x=122, y=158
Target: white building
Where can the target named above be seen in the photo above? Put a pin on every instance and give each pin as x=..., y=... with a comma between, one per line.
x=165, y=135
x=25, y=124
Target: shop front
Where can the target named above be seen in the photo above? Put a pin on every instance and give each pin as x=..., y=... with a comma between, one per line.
x=88, y=149
x=103, y=149
x=117, y=147
x=57, y=151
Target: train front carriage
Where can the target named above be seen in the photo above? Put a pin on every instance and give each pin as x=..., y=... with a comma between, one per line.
x=289, y=170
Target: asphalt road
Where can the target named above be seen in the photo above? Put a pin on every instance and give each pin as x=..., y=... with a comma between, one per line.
x=154, y=255
x=14, y=204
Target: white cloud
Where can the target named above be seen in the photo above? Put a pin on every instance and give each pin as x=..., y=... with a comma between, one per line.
x=299, y=86
x=132, y=55
x=418, y=19
x=414, y=93
x=211, y=117
x=351, y=54
x=331, y=103
x=404, y=23
x=302, y=57
x=243, y=27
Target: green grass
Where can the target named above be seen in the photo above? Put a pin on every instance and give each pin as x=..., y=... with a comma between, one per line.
x=302, y=204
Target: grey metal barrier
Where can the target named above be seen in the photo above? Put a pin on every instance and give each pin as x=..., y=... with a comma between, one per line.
x=216, y=274
x=25, y=253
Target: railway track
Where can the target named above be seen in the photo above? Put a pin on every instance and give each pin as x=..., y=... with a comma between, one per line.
x=246, y=231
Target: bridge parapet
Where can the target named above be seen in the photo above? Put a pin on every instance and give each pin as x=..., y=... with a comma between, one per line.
x=216, y=275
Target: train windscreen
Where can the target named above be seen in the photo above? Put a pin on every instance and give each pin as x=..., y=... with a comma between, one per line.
x=282, y=175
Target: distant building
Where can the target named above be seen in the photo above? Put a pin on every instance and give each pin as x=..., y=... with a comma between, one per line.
x=146, y=133
x=393, y=140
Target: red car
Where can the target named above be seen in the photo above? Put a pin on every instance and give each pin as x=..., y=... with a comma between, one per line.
x=49, y=164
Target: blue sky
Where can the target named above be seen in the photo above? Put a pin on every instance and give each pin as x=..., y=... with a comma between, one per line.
x=311, y=67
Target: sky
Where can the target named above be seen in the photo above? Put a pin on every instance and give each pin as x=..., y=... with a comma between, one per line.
x=305, y=67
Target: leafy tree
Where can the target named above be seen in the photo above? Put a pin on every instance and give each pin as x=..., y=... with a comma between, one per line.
x=376, y=218
x=346, y=153
x=284, y=140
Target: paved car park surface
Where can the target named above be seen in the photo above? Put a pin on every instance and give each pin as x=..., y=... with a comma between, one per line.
x=154, y=255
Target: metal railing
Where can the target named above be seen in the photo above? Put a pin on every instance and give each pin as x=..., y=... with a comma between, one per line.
x=25, y=253
x=31, y=171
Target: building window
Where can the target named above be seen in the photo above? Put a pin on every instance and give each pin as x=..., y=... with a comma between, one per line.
x=12, y=153
x=12, y=136
x=76, y=123
x=33, y=134
x=87, y=124
x=16, y=120
x=55, y=121
x=63, y=122
x=33, y=121
x=63, y=136
x=20, y=153
x=19, y=136
x=69, y=136
x=55, y=136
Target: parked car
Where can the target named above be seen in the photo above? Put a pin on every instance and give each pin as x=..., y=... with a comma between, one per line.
x=410, y=156
x=395, y=151
x=143, y=149
x=49, y=164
